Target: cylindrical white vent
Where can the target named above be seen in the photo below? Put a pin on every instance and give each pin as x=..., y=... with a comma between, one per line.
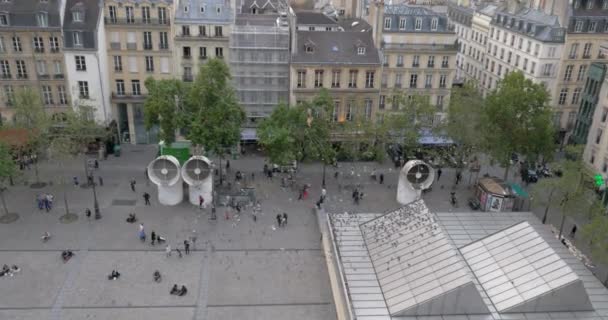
x=196, y=172
x=415, y=176
x=164, y=171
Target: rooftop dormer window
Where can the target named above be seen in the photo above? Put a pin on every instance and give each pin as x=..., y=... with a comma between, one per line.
x=77, y=16
x=218, y=10
x=387, y=23
x=202, y=9
x=186, y=8
x=4, y=19
x=309, y=49
x=361, y=51
x=590, y=5
x=434, y=24
x=42, y=19
x=418, y=25
x=577, y=4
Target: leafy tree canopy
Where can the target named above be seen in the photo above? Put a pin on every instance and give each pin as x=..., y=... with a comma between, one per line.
x=162, y=107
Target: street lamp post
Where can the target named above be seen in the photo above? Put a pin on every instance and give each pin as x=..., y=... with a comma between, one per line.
x=323, y=182
x=95, y=203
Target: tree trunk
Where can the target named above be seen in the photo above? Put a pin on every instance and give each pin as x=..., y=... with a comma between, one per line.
x=3, y=202
x=221, y=181
x=507, y=171
x=86, y=168
x=36, y=171
x=548, y=205
x=65, y=196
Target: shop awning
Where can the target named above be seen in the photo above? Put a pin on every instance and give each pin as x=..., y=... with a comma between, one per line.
x=428, y=138
x=249, y=134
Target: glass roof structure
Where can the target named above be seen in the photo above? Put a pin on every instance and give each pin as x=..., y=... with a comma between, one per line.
x=419, y=271
x=521, y=273
x=366, y=298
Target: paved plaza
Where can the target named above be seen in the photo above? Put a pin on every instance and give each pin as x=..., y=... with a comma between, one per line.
x=239, y=268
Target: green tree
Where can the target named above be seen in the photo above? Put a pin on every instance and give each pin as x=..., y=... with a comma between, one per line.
x=213, y=116
x=7, y=170
x=569, y=193
x=71, y=139
x=163, y=107
x=413, y=114
x=277, y=134
x=30, y=115
x=464, y=121
x=594, y=234
x=517, y=119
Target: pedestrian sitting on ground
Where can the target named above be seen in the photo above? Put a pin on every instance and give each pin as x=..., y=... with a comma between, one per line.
x=131, y=218
x=174, y=290
x=5, y=271
x=182, y=291
x=114, y=275
x=66, y=255
x=45, y=237
x=157, y=276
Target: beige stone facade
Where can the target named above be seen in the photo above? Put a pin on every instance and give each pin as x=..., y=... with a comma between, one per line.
x=140, y=44
x=32, y=57
x=354, y=88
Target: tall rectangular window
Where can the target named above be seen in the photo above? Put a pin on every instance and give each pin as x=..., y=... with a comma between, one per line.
x=445, y=61
x=147, y=40
x=369, y=79
x=399, y=61
x=63, y=97
x=568, y=72
x=219, y=52
x=387, y=23
x=349, y=110
x=335, y=79
x=301, y=80
x=368, y=108
x=202, y=31
x=416, y=61
x=413, y=80
x=41, y=67
x=21, y=70
x=130, y=14
x=83, y=89
x=118, y=63
x=218, y=31
x=6, y=69
x=352, y=78
x=162, y=15
x=575, y=95
x=186, y=31
x=145, y=14
x=77, y=38
x=42, y=19
x=442, y=80
x=120, y=87
x=202, y=52
x=582, y=71
x=38, y=44
x=112, y=13
x=382, y=102
x=563, y=95
x=336, y=111
x=47, y=95
x=81, y=64
x=149, y=64
x=17, y=44
x=164, y=42
x=54, y=43
x=318, y=78
x=9, y=95
x=135, y=87
x=587, y=51
x=428, y=81
x=431, y=62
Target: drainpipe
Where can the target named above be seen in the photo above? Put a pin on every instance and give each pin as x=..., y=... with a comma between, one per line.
x=103, y=98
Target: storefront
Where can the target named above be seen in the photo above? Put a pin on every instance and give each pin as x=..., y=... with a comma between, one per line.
x=494, y=195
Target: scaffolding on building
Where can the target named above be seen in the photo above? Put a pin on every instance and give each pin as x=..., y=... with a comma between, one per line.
x=259, y=61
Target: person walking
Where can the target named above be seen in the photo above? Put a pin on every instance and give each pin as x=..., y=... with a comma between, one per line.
x=142, y=233
x=186, y=247
x=168, y=250
x=458, y=177
x=153, y=237
x=96, y=164
x=279, y=220
x=133, y=182
x=40, y=201
x=323, y=194
x=284, y=219
x=201, y=201
x=87, y=213
x=227, y=165
x=100, y=181
x=381, y=178
x=146, y=198
x=76, y=183
x=439, y=173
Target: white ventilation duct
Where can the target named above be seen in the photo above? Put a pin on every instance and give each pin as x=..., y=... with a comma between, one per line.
x=164, y=171
x=196, y=172
x=415, y=176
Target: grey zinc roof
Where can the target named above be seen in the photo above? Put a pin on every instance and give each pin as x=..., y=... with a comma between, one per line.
x=399, y=11
x=210, y=14
x=532, y=23
x=91, y=15
x=145, y=1
x=22, y=13
x=462, y=228
x=335, y=47
x=314, y=18
x=357, y=25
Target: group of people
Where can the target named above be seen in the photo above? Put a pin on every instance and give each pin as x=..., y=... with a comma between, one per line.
x=357, y=196
x=9, y=271
x=179, y=291
x=45, y=201
x=282, y=219
x=66, y=255
x=25, y=161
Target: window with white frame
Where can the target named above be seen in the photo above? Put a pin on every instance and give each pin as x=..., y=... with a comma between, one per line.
x=401, y=23
x=77, y=16
x=38, y=44
x=563, y=95
x=149, y=64
x=428, y=81
x=57, y=66
x=118, y=63
x=361, y=51
x=582, y=71
x=368, y=108
x=9, y=94
x=130, y=14
x=5, y=67
x=369, y=79
x=568, y=72
x=434, y=23
x=399, y=61
x=81, y=64
x=83, y=89
x=41, y=67
x=418, y=25
x=576, y=95
x=47, y=95
x=4, y=19
x=42, y=19
x=63, y=97
x=17, y=44
x=578, y=26
x=135, y=87
x=387, y=23
x=587, y=50
x=145, y=14
x=592, y=26
x=413, y=80
x=77, y=38
x=162, y=15
x=590, y=4
x=442, y=80
x=120, y=87
x=21, y=69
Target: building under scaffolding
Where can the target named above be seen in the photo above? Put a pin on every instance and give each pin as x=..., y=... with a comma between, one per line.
x=259, y=57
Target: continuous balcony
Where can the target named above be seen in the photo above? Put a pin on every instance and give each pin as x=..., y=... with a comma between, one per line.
x=137, y=21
